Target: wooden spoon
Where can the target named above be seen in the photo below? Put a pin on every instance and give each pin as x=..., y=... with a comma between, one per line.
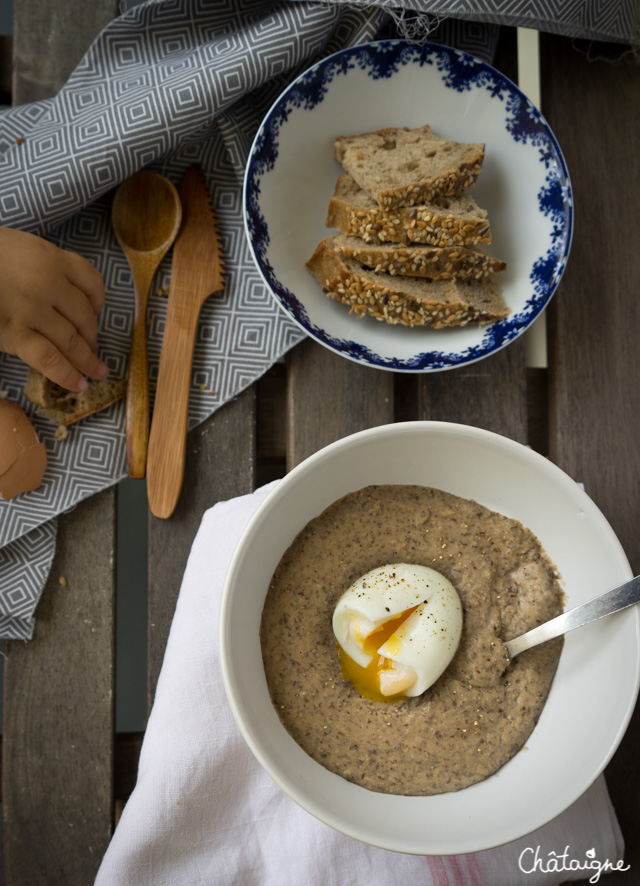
x=145, y=216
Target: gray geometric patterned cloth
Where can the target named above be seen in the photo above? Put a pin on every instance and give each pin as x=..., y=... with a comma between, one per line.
x=165, y=85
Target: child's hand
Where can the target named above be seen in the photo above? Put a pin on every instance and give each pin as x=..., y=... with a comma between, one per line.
x=49, y=299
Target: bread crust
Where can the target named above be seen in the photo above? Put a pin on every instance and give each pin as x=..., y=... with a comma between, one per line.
x=438, y=263
x=458, y=221
x=65, y=407
x=400, y=300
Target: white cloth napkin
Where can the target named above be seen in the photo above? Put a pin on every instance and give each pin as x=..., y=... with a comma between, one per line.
x=204, y=811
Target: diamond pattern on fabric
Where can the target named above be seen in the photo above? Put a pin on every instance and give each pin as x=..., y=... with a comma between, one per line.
x=158, y=87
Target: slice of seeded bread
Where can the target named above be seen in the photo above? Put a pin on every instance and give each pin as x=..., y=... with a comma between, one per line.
x=65, y=407
x=435, y=262
x=407, y=167
x=407, y=300
x=453, y=221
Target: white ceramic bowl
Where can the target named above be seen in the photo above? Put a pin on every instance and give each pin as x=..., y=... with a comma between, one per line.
x=291, y=175
x=595, y=687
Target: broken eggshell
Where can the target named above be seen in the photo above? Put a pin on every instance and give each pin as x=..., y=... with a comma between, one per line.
x=23, y=458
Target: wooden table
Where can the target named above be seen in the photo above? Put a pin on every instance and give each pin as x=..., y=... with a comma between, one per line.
x=65, y=773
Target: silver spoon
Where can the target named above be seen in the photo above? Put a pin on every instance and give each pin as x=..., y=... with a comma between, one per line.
x=612, y=601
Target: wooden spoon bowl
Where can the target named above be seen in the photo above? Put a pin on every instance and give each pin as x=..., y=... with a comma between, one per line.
x=146, y=216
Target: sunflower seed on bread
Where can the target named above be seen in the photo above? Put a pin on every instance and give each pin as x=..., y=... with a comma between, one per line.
x=452, y=221
x=408, y=167
x=435, y=262
x=410, y=301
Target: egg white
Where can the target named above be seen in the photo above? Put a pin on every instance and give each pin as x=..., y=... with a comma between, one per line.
x=424, y=644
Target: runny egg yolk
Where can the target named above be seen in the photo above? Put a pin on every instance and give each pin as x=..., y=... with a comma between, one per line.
x=366, y=680
x=397, y=627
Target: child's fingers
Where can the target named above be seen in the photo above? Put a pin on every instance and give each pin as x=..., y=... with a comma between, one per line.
x=49, y=301
x=40, y=353
x=87, y=278
x=69, y=341
x=74, y=306
x=60, y=352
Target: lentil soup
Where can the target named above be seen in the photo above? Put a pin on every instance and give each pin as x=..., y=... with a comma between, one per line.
x=482, y=709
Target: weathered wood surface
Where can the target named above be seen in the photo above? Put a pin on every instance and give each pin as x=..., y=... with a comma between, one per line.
x=58, y=723
x=58, y=711
x=582, y=412
x=220, y=465
x=329, y=397
x=594, y=377
x=490, y=394
x=49, y=41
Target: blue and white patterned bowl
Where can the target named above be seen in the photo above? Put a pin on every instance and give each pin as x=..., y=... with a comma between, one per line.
x=291, y=174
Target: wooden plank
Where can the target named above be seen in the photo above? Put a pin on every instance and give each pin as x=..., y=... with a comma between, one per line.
x=596, y=391
x=57, y=772
x=6, y=56
x=271, y=425
x=58, y=716
x=126, y=758
x=592, y=106
x=49, y=40
x=490, y=394
x=330, y=397
x=220, y=465
x=271, y=414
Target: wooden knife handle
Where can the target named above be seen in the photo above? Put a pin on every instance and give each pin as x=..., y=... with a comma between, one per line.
x=168, y=436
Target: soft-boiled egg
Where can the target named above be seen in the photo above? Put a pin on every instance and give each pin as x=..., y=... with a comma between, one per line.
x=398, y=627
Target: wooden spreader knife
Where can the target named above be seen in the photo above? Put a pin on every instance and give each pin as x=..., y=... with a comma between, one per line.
x=197, y=272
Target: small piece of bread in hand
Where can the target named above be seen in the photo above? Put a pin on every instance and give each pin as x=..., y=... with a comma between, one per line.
x=436, y=262
x=407, y=167
x=65, y=407
x=452, y=221
x=407, y=300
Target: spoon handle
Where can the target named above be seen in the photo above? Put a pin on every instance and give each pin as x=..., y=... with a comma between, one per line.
x=137, y=409
x=607, y=603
